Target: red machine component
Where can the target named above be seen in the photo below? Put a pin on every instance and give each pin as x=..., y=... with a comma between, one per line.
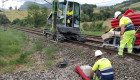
x=78, y=69
x=135, y=17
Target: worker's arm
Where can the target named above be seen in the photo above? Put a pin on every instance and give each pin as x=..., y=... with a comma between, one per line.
x=94, y=68
x=122, y=31
x=91, y=73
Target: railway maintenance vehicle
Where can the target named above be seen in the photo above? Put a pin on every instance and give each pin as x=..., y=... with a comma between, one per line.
x=60, y=29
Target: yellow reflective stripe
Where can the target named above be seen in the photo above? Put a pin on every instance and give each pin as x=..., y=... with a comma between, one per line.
x=63, y=21
x=120, y=48
x=120, y=51
x=129, y=48
x=106, y=68
x=107, y=73
x=110, y=30
x=68, y=21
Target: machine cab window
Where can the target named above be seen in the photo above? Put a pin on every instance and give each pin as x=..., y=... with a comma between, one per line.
x=76, y=15
x=69, y=14
x=61, y=13
x=73, y=15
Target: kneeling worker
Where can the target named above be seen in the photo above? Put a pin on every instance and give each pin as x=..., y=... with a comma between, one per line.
x=102, y=69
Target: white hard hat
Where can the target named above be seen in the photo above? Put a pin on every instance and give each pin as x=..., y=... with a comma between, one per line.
x=117, y=13
x=98, y=53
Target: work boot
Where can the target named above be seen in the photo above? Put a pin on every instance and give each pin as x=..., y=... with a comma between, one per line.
x=119, y=56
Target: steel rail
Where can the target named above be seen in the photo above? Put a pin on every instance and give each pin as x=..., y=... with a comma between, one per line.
x=95, y=42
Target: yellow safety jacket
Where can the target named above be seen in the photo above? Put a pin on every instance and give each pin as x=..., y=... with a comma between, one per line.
x=103, y=63
x=105, y=67
x=69, y=13
x=127, y=22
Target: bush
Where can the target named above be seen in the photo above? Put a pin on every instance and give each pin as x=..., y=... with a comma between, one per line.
x=86, y=27
x=16, y=21
x=4, y=19
x=96, y=26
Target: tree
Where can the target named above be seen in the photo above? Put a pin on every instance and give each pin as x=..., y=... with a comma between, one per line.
x=44, y=15
x=16, y=21
x=88, y=8
x=4, y=19
x=10, y=8
x=34, y=15
x=15, y=7
x=86, y=27
x=84, y=17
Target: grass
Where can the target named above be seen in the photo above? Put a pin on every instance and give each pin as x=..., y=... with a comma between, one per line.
x=21, y=14
x=38, y=46
x=50, y=50
x=22, y=59
x=12, y=54
x=134, y=5
x=11, y=43
x=97, y=33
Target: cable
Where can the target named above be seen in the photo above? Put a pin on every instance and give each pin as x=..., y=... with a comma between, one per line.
x=48, y=2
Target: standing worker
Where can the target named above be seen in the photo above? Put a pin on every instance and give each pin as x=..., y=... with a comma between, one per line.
x=127, y=33
x=102, y=69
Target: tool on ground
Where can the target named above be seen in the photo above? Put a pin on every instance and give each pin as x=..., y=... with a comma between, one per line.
x=62, y=63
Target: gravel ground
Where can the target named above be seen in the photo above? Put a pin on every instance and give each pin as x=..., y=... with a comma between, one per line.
x=124, y=68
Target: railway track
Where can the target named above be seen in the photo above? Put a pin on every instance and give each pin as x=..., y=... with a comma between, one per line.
x=31, y=30
x=92, y=41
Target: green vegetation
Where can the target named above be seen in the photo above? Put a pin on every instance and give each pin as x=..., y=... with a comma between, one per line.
x=22, y=59
x=11, y=43
x=13, y=52
x=36, y=17
x=38, y=46
x=104, y=14
x=4, y=19
x=50, y=50
x=93, y=28
x=96, y=33
x=14, y=14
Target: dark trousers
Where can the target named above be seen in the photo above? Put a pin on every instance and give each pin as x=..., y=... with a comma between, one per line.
x=104, y=77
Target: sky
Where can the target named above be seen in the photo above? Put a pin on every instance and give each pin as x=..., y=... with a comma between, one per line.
x=18, y=3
